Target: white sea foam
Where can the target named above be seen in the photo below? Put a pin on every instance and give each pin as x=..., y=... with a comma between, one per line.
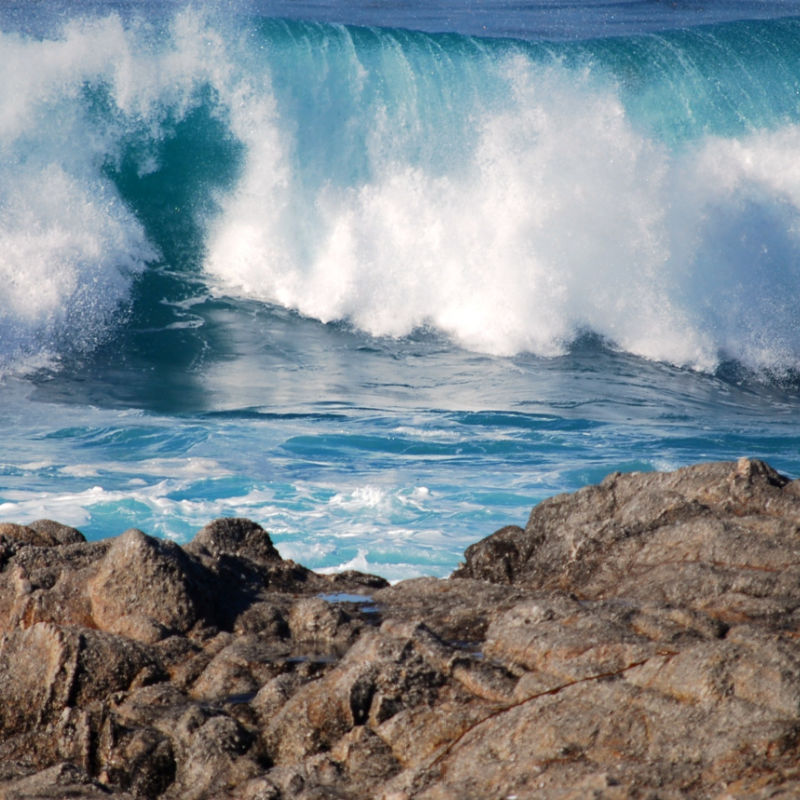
x=362, y=497
x=174, y=468
x=563, y=217
x=394, y=572
x=69, y=246
x=509, y=203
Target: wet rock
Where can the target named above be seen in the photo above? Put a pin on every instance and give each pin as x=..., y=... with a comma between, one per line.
x=639, y=638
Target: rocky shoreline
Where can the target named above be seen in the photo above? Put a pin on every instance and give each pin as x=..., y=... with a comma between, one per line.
x=639, y=638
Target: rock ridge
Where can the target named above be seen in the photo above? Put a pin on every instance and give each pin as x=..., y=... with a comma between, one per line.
x=637, y=638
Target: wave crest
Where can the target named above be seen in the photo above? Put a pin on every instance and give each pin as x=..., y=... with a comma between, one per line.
x=510, y=195
x=555, y=212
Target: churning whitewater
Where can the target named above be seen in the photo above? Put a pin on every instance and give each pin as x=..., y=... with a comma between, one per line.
x=381, y=289
x=509, y=195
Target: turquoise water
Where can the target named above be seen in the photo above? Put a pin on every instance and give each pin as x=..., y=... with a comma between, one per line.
x=383, y=290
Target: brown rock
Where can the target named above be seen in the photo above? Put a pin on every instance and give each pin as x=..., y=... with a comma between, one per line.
x=314, y=621
x=214, y=759
x=137, y=759
x=458, y=611
x=56, y=783
x=143, y=588
x=639, y=638
x=45, y=669
x=25, y=534
x=240, y=669
x=62, y=534
x=235, y=537
x=721, y=537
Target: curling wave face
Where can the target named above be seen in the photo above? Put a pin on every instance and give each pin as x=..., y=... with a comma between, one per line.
x=510, y=195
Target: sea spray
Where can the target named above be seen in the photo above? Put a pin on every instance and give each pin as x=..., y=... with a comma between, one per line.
x=72, y=109
x=514, y=197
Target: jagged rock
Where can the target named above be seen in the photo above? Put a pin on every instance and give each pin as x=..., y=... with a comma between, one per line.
x=48, y=584
x=639, y=638
x=324, y=624
x=62, y=534
x=718, y=537
x=138, y=759
x=241, y=668
x=46, y=668
x=264, y=618
x=27, y=535
x=216, y=758
x=457, y=611
x=56, y=783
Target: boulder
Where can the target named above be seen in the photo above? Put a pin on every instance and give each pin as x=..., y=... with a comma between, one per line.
x=61, y=534
x=144, y=588
x=241, y=538
x=12, y=533
x=718, y=537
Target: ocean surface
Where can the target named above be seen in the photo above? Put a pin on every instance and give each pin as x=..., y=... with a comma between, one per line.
x=381, y=276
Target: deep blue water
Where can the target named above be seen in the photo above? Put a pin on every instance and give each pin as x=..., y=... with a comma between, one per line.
x=382, y=277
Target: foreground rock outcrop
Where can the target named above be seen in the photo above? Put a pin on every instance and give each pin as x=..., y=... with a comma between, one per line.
x=639, y=638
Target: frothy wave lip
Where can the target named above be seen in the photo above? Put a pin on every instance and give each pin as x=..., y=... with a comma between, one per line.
x=542, y=209
x=508, y=196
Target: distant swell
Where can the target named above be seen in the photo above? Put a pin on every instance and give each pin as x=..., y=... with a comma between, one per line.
x=510, y=195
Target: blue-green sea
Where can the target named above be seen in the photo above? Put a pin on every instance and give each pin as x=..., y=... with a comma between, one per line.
x=381, y=277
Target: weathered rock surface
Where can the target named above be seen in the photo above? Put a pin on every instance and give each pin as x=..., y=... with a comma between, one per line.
x=639, y=638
